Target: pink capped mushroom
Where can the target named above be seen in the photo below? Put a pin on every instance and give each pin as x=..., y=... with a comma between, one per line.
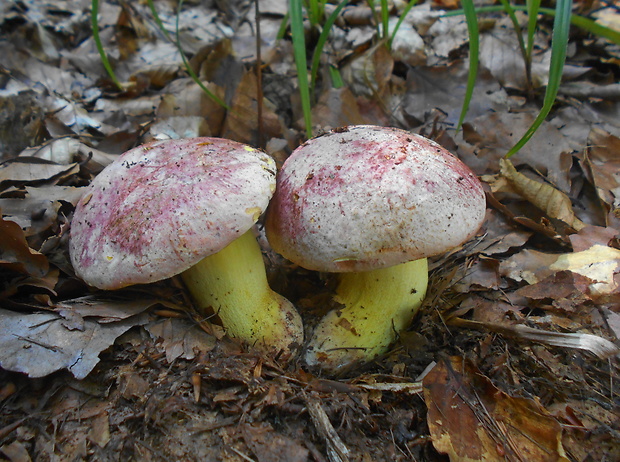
x=188, y=207
x=371, y=203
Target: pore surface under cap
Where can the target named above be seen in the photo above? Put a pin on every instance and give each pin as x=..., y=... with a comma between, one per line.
x=366, y=197
x=163, y=206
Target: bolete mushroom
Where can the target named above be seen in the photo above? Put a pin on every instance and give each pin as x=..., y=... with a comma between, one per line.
x=371, y=203
x=188, y=206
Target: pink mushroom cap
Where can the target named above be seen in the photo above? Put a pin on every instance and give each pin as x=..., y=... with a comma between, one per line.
x=162, y=207
x=365, y=197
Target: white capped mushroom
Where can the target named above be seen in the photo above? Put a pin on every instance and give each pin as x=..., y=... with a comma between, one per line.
x=187, y=207
x=371, y=203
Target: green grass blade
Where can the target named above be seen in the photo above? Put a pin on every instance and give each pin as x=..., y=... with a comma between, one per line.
x=373, y=10
x=527, y=58
x=402, y=17
x=94, y=15
x=157, y=19
x=579, y=21
x=474, y=46
x=559, y=43
x=188, y=66
x=385, y=19
x=283, y=26
x=334, y=74
x=320, y=44
x=533, y=8
x=312, y=10
x=299, y=52
x=515, y=23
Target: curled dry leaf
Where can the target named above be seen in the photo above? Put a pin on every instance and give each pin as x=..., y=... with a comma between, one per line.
x=599, y=346
x=553, y=202
x=16, y=254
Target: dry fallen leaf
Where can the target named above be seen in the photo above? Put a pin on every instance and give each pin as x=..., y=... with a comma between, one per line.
x=180, y=338
x=471, y=420
x=553, y=202
x=599, y=263
x=39, y=344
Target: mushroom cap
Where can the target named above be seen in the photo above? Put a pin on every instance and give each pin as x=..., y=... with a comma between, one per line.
x=365, y=197
x=163, y=206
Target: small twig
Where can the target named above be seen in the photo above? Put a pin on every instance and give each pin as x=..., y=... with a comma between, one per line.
x=240, y=454
x=336, y=449
x=39, y=343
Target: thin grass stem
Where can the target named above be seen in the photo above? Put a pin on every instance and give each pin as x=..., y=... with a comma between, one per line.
x=474, y=45
x=299, y=52
x=94, y=18
x=559, y=44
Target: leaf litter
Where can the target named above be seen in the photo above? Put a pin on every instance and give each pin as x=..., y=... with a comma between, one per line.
x=514, y=355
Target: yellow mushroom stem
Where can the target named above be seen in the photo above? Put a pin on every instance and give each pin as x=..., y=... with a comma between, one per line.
x=233, y=284
x=376, y=306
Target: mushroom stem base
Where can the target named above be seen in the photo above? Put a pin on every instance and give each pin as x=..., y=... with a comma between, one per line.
x=377, y=306
x=233, y=284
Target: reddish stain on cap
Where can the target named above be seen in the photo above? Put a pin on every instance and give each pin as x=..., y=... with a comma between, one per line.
x=163, y=206
x=372, y=197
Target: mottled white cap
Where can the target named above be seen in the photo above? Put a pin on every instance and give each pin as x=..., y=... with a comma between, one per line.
x=367, y=197
x=163, y=206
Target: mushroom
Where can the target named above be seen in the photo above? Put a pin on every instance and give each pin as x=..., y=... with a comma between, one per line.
x=371, y=203
x=188, y=207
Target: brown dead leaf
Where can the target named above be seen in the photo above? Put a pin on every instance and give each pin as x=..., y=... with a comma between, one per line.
x=105, y=311
x=443, y=87
x=528, y=265
x=16, y=254
x=369, y=73
x=337, y=107
x=603, y=161
x=407, y=45
x=15, y=451
x=566, y=290
x=100, y=430
x=592, y=235
x=241, y=123
x=471, y=420
x=180, y=338
x=65, y=150
x=494, y=133
x=586, y=431
x=448, y=35
x=184, y=98
x=501, y=235
x=598, y=263
x=25, y=170
x=483, y=273
x=40, y=344
x=542, y=195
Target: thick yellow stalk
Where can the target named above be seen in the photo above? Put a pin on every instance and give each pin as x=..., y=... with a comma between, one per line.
x=233, y=284
x=377, y=306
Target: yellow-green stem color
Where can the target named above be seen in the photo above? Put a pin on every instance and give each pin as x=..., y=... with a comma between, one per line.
x=377, y=306
x=233, y=284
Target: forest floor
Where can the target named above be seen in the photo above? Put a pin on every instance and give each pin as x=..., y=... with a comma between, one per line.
x=514, y=354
